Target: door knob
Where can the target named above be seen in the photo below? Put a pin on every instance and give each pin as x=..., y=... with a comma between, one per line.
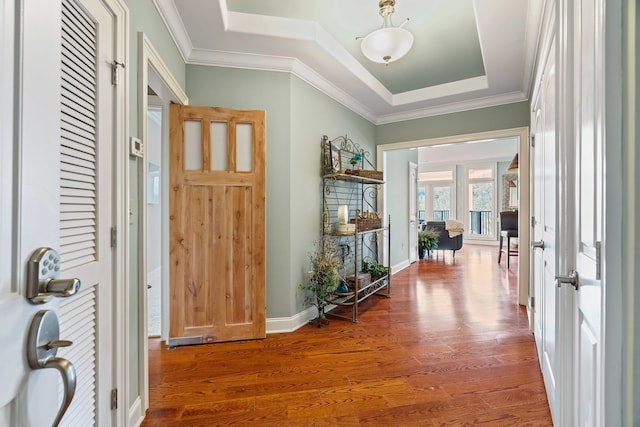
x=43, y=284
x=42, y=346
x=538, y=244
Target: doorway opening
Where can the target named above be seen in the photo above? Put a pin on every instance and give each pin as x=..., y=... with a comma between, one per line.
x=157, y=89
x=154, y=217
x=522, y=137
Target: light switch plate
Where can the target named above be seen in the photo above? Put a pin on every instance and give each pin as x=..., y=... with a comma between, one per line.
x=136, y=147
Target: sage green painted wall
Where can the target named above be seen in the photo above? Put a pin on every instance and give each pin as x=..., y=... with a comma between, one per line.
x=313, y=115
x=143, y=17
x=472, y=121
x=397, y=191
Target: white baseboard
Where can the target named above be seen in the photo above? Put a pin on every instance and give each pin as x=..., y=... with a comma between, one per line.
x=289, y=324
x=400, y=266
x=135, y=413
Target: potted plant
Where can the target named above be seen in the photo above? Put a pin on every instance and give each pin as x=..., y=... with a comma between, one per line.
x=376, y=270
x=427, y=241
x=324, y=277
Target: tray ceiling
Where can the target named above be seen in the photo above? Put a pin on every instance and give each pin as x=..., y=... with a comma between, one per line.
x=466, y=54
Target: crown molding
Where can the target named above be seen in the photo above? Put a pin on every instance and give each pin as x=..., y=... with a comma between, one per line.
x=171, y=18
x=280, y=64
x=454, y=107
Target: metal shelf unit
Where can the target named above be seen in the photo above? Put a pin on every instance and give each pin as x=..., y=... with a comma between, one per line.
x=367, y=243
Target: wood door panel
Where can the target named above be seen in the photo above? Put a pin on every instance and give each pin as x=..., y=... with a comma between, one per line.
x=217, y=233
x=198, y=254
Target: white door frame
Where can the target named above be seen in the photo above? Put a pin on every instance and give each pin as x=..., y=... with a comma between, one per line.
x=121, y=209
x=151, y=71
x=522, y=134
x=413, y=212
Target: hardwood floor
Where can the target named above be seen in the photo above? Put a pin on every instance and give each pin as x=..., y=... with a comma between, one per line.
x=451, y=347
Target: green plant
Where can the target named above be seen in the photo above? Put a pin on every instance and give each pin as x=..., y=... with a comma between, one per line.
x=428, y=239
x=376, y=270
x=324, y=278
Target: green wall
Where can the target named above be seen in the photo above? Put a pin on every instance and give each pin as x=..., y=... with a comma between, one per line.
x=465, y=122
x=313, y=115
x=297, y=115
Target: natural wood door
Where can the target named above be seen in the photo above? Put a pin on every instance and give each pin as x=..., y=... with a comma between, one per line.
x=217, y=231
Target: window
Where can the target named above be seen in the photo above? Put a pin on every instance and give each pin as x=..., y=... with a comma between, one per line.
x=480, y=200
x=436, y=194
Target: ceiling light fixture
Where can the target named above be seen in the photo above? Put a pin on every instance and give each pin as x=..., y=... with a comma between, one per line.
x=388, y=43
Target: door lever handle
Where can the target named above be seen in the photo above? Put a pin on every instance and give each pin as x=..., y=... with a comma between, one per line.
x=43, y=284
x=42, y=346
x=570, y=279
x=68, y=374
x=538, y=244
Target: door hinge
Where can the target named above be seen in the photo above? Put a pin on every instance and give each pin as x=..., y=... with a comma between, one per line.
x=533, y=221
x=114, y=237
x=532, y=302
x=114, y=399
x=115, y=78
x=533, y=140
x=598, y=260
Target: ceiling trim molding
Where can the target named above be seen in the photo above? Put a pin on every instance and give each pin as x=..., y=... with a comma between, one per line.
x=306, y=31
x=454, y=107
x=171, y=18
x=439, y=91
x=280, y=64
x=247, y=61
x=307, y=74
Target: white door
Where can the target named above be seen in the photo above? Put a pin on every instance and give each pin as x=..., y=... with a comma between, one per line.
x=56, y=191
x=413, y=212
x=544, y=232
x=589, y=221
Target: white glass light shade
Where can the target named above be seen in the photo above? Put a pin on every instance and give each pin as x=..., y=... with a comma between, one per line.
x=387, y=44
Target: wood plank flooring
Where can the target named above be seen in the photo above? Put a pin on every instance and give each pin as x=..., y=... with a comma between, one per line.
x=451, y=347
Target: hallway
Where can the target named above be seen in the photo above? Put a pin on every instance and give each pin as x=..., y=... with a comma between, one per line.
x=450, y=347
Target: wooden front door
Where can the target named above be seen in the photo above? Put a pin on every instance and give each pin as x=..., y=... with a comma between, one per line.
x=217, y=225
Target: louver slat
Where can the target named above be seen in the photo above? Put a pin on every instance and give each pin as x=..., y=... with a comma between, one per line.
x=78, y=323
x=79, y=204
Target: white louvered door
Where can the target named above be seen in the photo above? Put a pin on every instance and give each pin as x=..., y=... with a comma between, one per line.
x=85, y=191
x=62, y=185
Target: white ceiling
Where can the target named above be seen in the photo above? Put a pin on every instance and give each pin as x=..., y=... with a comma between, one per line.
x=501, y=149
x=467, y=53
